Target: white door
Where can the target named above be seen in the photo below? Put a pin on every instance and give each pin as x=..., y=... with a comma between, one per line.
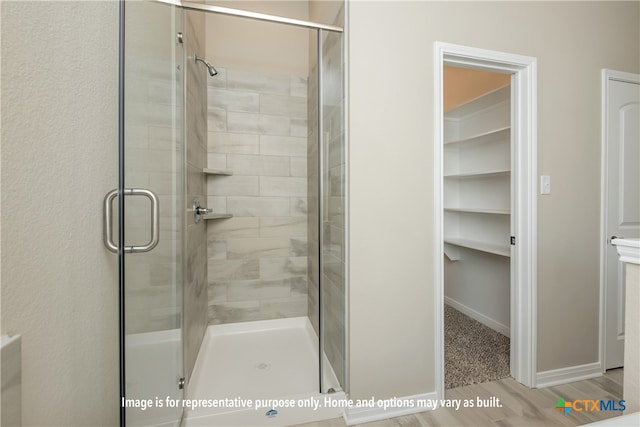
x=621, y=211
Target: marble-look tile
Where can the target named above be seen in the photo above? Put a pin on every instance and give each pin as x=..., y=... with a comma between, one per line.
x=299, y=246
x=283, y=186
x=298, y=206
x=274, y=125
x=251, y=290
x=278, y=308
x=197, y=119
x=195, y=182
x=216, y=120
x=159, y=91
x=278, y=215
x=233, y=227
x=147, y=160
x=235, y=269
x=163, y=273
x=290, y=106
x=217, y=249
x=243, y=122
x=258, y=206
x=217, y=203
x=216, y=161
x=234, y=143
x=232, y=312
x=299, y=167
x=299, y=286
x=138, y=136
x=258, y=165
x=138, y=179
x=257, y=247
x=298, y=86
x=233, y=100
x=217, y=292
x=272, y=268
x=258, y=82
x=234, y=185
x=152, y=114
x=299, y=128
x=160, y=138
x=283, y=226
x=283, y=146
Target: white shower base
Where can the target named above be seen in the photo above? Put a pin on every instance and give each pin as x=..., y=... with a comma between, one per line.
x=271, y=359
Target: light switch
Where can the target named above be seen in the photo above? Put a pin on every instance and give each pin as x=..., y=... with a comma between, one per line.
x=545, y=184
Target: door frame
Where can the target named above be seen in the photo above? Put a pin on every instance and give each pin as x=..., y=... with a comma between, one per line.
x=524, y=157
x=607, y=75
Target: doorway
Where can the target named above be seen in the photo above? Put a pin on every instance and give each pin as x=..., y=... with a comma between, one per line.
x=522, y=207
x=477, y=195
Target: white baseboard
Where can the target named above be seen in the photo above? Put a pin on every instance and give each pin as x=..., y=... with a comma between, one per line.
x=568, y=374
x=487, y=321
x=410, y=405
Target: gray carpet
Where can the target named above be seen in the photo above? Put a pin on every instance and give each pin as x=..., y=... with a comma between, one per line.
x=473, y=353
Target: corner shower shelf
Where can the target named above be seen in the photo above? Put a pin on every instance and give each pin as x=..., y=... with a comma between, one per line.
x=492, y=248
x=225, y=172
x=218, y=172
x=217, y=216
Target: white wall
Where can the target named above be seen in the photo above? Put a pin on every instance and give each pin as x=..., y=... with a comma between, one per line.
x=59, y=142
x=391, y=180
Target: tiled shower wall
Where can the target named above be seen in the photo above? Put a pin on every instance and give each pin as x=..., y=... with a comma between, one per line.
x=195, y=289
x=257, y=265
x=154, y=160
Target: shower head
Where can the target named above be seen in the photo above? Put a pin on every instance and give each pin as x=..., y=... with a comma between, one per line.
x=212, y=71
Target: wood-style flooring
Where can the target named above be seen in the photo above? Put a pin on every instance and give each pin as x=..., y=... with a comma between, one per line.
x=522, y=406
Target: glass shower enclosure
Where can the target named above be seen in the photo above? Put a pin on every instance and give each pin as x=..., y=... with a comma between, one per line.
x=146, y=216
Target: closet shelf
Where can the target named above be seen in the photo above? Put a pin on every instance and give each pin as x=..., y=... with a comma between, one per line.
x=487, y=174
x=492, y=135
x=487, y=101
x=217, y=172
x=480, y=211
x=492, y=248
x=217, y=216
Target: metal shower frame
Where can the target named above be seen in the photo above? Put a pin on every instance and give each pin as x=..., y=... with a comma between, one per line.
x=121, y=158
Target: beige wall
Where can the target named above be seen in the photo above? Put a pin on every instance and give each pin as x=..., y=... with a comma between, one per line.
x=59, y=141
x=259, y=46
x=392, y=347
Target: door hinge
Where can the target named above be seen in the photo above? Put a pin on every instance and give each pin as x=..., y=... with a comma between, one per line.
x=513, y=240
x=181, y=383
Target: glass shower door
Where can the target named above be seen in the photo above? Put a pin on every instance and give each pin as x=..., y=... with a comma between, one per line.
x=333, y=210
x=153, y=188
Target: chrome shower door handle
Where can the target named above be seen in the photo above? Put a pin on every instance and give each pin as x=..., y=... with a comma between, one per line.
x=108, y=220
